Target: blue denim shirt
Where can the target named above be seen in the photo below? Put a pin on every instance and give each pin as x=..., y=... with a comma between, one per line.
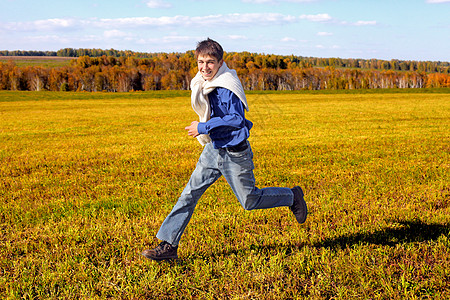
x=227, y=126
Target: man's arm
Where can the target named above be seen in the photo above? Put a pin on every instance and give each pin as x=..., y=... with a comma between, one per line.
x=229, y=114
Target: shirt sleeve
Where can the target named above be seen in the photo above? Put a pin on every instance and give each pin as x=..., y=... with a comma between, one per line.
x=229, y=114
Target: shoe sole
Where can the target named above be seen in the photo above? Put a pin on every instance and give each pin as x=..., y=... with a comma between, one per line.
x=298, y=193
x=159, y=258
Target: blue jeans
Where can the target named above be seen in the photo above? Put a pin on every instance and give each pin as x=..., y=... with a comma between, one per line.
x=237, y=168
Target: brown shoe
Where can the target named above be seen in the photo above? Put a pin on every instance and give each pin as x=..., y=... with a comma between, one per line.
x=164, y=251
x=299, y=208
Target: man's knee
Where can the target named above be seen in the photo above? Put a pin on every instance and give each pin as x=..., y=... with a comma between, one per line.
x=250, y=201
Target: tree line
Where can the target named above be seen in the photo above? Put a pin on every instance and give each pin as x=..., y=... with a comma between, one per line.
x=174, y=71
x=263, y=60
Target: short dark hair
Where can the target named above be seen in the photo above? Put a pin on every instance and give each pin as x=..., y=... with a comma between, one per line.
x=209, y=47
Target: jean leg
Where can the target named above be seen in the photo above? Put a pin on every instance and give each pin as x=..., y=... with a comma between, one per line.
x=238, y=171
x=175, y=223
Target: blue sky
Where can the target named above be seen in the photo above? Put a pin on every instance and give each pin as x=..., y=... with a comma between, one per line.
x=382, y=29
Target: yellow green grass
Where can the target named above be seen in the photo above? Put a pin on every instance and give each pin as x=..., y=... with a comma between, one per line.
x=86, y=180
x=44, y=61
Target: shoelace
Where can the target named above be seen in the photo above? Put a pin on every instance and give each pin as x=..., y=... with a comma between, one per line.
x=163, y=246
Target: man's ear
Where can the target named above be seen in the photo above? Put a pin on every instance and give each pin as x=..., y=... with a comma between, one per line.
x=220, y=63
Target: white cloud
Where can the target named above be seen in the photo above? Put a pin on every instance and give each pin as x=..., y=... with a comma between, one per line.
x=114, y=34
x=438, y=1
x=211, y=20
x=316, y=18
x=52, y=23
x=52, y=41
x=236, y=19
x=256, y=18
x=365, y=23
x=323, y=33
x=142, y=21
x=287, y=39
x=158, y=4
x=49, y=39
x=174, y=42
x=40, y=25
x=176, y=38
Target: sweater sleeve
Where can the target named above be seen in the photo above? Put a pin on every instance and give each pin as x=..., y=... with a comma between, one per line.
x=228, y=113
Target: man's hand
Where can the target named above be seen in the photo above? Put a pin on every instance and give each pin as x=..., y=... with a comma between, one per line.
x=192, y=129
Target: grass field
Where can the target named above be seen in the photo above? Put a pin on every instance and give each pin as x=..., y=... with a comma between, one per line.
x=87, y=178
x=44, y=61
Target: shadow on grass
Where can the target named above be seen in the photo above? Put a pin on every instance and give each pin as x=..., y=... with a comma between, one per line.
x=403, y=232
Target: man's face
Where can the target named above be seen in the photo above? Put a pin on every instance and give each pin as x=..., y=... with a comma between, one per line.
x=208, y=66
